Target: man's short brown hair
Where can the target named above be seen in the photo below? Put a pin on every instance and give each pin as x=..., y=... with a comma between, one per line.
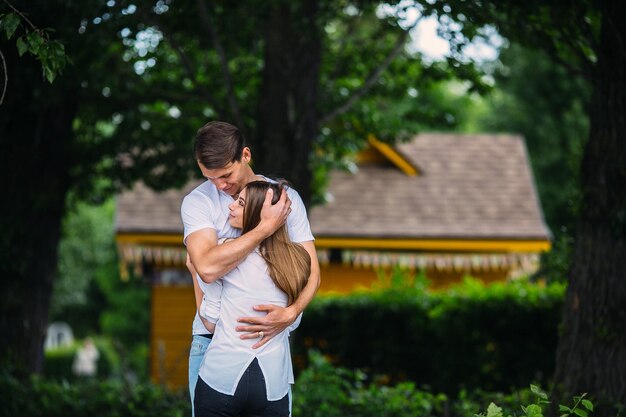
x=218, y=144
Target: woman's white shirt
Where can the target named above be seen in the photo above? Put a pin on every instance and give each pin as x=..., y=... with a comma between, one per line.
x=228, y=356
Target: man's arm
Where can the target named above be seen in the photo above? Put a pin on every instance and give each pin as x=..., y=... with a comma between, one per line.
x=199, y=295
x=279, y=318
x=212, y=261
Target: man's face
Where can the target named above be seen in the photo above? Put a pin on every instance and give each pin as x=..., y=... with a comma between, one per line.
x=232, y=178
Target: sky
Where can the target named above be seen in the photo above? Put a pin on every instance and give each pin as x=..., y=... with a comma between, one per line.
x=426, y=40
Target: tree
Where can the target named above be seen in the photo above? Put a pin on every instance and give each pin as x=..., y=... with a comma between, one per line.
x=143, y=77
x=592, y=350
x=40, y=161
x=587, y=38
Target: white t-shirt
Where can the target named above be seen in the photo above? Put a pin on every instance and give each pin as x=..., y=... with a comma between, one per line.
x=207, y=207
x=228, y=356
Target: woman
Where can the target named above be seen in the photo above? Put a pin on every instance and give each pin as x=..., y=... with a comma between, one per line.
x=236, y=380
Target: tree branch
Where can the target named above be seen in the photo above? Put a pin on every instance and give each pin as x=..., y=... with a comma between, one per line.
x=551, y=48
x=23, y=17
x=186, y=62
x=232, y=99
x=187, y=65
x=6, y=77
x=371, y=78
x=568, y=36
x=342, y=47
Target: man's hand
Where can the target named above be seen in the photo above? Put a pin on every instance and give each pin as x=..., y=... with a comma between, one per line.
x=274, y=216
x=276, y=320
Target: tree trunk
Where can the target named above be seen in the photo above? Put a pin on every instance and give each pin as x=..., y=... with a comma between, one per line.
x=287, y=123
x=591, y=356
x=34, y=169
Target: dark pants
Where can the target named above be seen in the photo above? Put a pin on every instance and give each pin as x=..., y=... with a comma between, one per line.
x=250, y=399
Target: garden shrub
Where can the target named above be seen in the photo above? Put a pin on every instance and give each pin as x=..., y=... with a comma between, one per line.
x=322, y=390
x=88, y=398
x=496, y=337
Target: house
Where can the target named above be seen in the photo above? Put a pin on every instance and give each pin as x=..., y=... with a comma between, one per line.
x=448, y=204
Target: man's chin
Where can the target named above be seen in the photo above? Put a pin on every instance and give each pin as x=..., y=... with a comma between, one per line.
x=232, y=191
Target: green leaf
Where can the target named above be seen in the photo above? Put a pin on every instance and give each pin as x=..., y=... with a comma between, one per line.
x=50, y=74
x=57, y=48
x=494, y=411
x=565, y=408
x=56, y=53
x=22, y=46
x=534, y=410
x=537, y=391
x=588, y=405
x=35, y=41
x=580, y=412
x=10, y=23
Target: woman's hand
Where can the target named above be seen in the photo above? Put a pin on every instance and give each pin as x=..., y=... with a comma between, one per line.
x=265, y=328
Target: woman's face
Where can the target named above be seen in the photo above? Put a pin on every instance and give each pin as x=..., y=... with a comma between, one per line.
x=236, y=210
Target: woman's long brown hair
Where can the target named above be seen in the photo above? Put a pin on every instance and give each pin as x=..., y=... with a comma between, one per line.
x=288, y=263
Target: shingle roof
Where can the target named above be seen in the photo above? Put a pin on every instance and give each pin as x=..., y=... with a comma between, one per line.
x=142, y=210
x=470, y=186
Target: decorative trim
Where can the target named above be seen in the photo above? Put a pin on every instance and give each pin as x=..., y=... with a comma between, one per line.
x=443, y=245
x=390, y=153
x=149, y=239
x=514, y=264
x=136, y=255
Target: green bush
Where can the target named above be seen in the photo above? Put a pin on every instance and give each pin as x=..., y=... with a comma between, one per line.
x=89, y=398
x=58, y=363
x=323, y=390
x=495, y=337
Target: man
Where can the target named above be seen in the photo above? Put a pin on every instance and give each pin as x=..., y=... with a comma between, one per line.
x=224, y=161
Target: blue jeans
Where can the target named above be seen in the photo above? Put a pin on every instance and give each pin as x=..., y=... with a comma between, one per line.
x=199, y=345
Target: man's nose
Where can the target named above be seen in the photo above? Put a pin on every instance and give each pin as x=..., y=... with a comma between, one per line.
x=220, y=184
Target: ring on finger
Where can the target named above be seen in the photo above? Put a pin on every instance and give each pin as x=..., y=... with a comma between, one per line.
x=261, y=334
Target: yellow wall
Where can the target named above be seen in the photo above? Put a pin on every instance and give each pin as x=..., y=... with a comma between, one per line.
x=343, y=279
x=173, y=309
x=338, y=278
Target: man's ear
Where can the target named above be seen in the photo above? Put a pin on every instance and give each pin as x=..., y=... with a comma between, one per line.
x=246, y=155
